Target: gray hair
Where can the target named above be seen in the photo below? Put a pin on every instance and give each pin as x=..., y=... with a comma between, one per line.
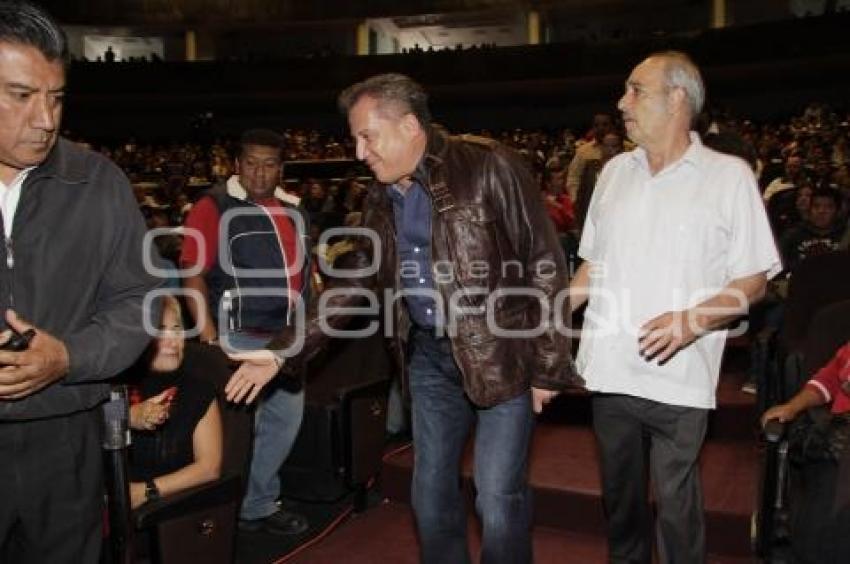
x=390, y=89
x=24, y=23
x=681, y=71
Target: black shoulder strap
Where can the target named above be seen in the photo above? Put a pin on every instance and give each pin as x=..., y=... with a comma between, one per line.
x=441, y=197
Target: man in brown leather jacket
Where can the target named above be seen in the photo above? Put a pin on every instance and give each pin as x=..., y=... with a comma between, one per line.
x=474, y=278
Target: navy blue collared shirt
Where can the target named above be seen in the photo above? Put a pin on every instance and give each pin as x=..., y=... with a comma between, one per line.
x=412, y=214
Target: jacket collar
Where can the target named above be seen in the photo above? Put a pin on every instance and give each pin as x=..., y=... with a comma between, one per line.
x=65, y=163
x=428, y=172
x=435, y=151
x=235, y=190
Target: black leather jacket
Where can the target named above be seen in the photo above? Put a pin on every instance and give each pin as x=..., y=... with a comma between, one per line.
x=489, y=224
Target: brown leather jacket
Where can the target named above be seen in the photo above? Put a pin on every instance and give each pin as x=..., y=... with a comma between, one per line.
x=490, y=225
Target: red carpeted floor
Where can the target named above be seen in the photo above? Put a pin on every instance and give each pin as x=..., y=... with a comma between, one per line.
x=569, y=522
x=385, y=535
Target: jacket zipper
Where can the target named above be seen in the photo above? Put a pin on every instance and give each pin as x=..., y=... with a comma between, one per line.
x=285, y=264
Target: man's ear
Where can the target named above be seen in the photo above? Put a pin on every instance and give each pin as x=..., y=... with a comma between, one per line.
x=236, y=166
x=677, y=99
x=410, y=125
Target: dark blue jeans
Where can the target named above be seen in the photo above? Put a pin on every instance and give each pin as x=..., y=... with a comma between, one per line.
x=442, y=419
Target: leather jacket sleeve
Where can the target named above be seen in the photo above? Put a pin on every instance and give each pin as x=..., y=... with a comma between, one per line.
x=342, y=300
x=516, y=198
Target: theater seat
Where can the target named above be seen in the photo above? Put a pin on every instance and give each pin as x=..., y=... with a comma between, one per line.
x=817, y=282
x=341, y=441
x=199, y=524
x=799, y=504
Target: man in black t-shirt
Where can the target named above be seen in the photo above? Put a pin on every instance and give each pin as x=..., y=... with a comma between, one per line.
x=820, y=233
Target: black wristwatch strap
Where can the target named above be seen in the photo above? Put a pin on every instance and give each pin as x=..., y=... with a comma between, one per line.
x=151, y=491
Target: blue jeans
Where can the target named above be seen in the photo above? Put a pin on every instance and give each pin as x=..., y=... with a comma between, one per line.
x=276, y=425
x=442, y=419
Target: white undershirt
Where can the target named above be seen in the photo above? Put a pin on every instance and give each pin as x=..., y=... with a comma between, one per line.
x=9, y=198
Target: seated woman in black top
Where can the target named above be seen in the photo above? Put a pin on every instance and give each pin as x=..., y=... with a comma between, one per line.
x=176, y=428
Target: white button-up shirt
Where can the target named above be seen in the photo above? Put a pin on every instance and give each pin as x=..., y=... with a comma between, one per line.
x=660, y=243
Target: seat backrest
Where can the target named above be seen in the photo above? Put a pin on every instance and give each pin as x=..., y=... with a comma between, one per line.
x=782, y=211
x=237, y=421
x=347, y=363
x=828, y=331
x=817, y=282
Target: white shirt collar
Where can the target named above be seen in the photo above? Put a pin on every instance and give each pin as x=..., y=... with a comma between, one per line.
x=693, y=154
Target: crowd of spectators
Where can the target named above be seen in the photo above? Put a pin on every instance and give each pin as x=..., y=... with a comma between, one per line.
x=794, y=159
x=418, y=50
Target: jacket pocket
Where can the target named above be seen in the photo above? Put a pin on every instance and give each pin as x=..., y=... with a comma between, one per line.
x=471, y=236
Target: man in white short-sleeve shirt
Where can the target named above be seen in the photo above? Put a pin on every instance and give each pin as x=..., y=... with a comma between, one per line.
x=676, y=245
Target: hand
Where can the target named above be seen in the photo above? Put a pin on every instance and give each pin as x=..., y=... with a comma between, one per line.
x=541, y=397
x=661, y=337
x=782, y=413
x=208, y=335
x=137, y=494
x=257, y=370
x=151, y=413
x=26, y=372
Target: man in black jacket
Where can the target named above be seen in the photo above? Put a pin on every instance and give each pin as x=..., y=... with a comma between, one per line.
x=249, y=290
x=72, y=270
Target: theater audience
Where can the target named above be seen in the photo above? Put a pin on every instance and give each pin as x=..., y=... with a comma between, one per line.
x=793, y=177
x=611, y=145
x=591, y=150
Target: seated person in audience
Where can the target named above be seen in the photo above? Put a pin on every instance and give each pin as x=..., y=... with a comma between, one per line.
x=611, y=146
x=819, y=233
x=830, y=384
x=176, y=428
x=793, y=177
x=769, y=164
x=591, y=150
x=559, y=208
x=803, y=201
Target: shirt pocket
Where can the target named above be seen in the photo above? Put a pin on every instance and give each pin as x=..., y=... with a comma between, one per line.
x=693, y=237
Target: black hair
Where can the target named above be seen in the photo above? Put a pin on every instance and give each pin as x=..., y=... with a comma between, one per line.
x=830, y=193
x=25, y=23
x=263, y=138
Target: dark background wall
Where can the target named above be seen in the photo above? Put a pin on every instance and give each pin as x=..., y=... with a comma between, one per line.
x=758, y=71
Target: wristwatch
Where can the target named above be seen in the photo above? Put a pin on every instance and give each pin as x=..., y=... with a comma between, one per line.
x=151, y=491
